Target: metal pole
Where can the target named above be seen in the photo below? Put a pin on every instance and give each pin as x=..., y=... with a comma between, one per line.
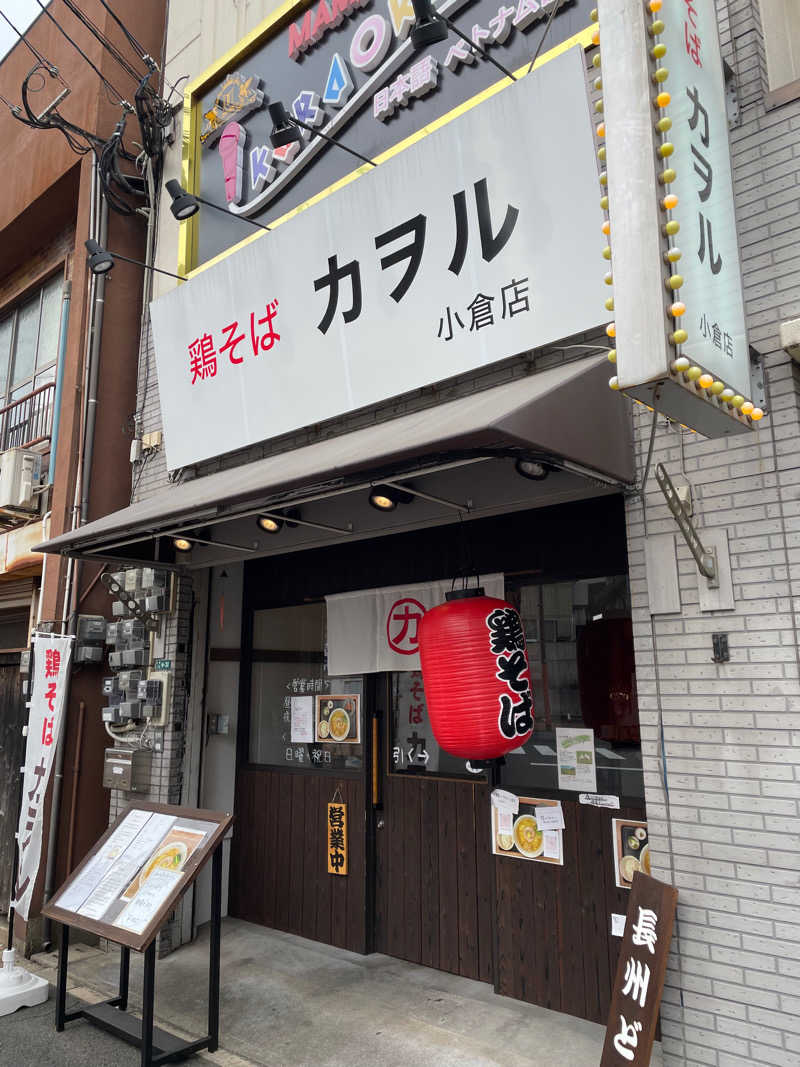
x=124, y=975
x=148, y=999
x=62, y=352
x=327, y=137
x=61, y=983
x=214, y=949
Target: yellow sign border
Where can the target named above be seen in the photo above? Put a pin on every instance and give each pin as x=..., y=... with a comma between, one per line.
x=187, y=239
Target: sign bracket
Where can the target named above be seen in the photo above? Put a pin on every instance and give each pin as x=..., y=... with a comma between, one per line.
x=705, y=558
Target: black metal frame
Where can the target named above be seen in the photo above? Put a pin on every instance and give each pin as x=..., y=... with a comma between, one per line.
x=157, y=1046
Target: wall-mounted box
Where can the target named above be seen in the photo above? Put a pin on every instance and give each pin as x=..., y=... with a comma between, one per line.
x=127, y=769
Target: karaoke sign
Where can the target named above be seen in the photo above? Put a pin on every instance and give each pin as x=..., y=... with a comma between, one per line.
x=348, y=68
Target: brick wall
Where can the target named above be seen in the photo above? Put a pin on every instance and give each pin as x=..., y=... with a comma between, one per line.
x=721, y=743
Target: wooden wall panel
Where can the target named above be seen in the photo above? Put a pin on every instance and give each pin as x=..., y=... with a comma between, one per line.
x=554, y=923
x=279, y=874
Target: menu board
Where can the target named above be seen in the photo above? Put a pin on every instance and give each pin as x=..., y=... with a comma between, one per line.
x=135, y=874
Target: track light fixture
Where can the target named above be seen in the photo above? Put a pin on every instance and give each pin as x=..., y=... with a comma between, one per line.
x=431, y=26
x=101, y=261
x=182, y=544
x=387, y=497
x=532, y=469
x=285, y=130
x=184, y=205
x=270, y=524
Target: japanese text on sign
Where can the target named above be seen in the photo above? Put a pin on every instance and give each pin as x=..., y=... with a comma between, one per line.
x=640, y=974
x=507, y=642
x=50, y=672
x=337, y=838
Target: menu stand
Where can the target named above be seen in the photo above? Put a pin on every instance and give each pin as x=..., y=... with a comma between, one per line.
x=157, y=1046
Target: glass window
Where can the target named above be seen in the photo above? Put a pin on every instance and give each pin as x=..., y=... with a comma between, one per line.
x=413, y=747
x=25, y=341
x=47, y=349
x=29, y=342
x=580, y=650
x=296, y=709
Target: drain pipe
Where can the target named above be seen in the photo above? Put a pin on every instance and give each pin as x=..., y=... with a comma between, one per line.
x=98, y=217
x=94, y=369
x=66, y=297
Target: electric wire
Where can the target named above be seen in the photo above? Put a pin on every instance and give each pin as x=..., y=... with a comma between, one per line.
x=137, y=47
x=109, y=86
x=110, y=47
x=26, y=42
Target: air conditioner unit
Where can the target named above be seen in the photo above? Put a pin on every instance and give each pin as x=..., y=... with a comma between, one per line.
x=20, y=474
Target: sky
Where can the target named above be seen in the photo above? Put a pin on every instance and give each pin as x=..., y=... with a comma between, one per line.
x=21, y=13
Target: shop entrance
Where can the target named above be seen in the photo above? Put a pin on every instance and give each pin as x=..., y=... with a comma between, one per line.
x=427, y=881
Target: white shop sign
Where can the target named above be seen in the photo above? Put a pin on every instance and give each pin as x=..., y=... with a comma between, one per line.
x=476, y=243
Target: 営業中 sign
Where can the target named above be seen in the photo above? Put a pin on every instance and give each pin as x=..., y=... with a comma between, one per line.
x=396, y=281
x=337, y=838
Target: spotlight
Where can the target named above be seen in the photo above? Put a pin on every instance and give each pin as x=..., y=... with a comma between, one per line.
x=383, y=497
x=387, y=497
x=428, y=28
x=284, y=130
x=183, y=205
x=181, y=544
x=269, y=524
x=533, y=469
x=100, y=261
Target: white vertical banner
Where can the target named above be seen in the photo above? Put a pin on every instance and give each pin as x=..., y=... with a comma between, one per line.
x=378, y=629
x=51, y=657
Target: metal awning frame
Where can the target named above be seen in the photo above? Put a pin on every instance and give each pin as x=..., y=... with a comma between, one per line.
x=295, y=497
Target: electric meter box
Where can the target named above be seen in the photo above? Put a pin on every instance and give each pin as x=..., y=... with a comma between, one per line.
x=127, y=769
x=20, y=474
x=91, y=628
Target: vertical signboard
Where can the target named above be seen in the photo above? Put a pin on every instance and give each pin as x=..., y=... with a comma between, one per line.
x=337, y=838
x=712, y=282
x=675, y=281
x=639, y=981
x=51, y=657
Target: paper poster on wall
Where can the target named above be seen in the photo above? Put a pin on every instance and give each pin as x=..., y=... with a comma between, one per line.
x=337, y=719
x=631, y=850
x=302, y=722
x=519, y=835
x=576, y=760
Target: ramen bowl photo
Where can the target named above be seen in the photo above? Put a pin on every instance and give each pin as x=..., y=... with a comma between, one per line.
x=528, y=838
x=628, y=866
x=339, y=724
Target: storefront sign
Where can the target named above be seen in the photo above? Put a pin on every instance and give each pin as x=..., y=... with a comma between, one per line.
x=337, y=838
x=398, y=281
x=378, y=629
x=675, y=277
x=528, y=834
x=349, y=69
x=577, y=768
x=51, y=660
x=639, y=981
x=631, y=850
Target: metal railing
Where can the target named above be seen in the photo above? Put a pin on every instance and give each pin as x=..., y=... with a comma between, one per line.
x=28, y=421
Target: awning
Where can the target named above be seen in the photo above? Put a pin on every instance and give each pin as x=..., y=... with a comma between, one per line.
x=567, y=413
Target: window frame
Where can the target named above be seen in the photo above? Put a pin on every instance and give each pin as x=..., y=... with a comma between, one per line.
x=7, y=388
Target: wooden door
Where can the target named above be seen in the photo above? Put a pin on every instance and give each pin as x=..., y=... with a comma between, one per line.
x=433, y=871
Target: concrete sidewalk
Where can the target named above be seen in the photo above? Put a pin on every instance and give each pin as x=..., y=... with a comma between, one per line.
x=288, y=1002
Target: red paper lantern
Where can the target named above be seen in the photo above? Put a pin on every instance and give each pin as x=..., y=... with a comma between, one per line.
x=476, y=675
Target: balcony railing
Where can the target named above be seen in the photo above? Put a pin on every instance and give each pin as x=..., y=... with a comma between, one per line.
x=28, y=421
